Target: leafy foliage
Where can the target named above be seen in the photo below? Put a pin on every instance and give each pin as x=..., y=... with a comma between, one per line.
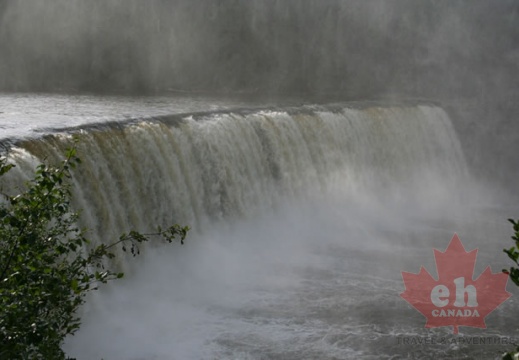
x=513, y=272
x=513, y=254
x=47, y=265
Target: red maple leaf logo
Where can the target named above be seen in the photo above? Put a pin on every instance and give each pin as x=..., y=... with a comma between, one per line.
x=455, y=299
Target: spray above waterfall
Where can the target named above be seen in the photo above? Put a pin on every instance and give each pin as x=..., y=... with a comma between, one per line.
x=354, y=48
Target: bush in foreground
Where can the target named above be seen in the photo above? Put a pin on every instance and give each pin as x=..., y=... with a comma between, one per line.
x=47, y=265
x=513, y=254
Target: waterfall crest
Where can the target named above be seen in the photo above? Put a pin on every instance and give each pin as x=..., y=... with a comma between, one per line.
x=209, y=167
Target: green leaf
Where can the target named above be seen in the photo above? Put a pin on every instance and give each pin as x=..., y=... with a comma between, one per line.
x=74, y=285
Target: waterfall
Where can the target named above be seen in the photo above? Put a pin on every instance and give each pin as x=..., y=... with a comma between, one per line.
x=201, y=168
x=302, y=219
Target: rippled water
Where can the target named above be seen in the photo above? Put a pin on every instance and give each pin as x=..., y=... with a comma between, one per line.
x=29, y=114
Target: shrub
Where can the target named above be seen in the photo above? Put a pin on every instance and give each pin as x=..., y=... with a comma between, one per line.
x=47, y=265
x=513, y=254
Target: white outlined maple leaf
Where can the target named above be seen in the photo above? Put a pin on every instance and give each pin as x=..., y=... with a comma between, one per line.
x=455, y=299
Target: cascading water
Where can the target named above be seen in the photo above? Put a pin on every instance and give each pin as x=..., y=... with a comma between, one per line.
x=212, y=167
x=302, y=220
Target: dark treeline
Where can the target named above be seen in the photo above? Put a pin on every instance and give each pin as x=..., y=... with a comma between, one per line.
x=355, y=47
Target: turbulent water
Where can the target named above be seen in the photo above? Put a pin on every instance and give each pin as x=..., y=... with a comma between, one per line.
x=302, y=217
